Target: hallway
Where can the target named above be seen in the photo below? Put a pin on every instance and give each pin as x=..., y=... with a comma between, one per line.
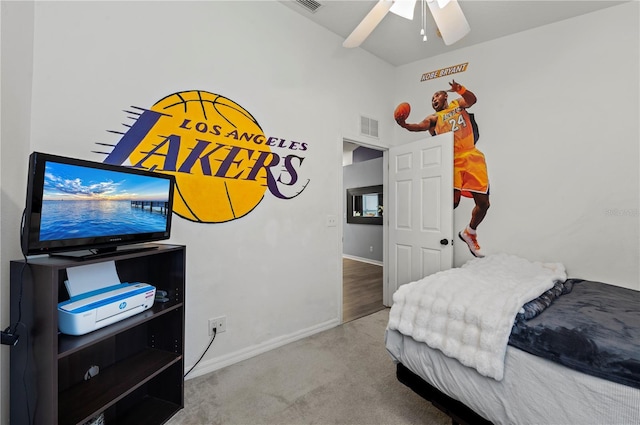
x=361, y=289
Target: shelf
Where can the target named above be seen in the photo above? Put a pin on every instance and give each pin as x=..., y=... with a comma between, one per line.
x=62, y=262
x=91, y=397
x=141, y=358
x=149, y=410
x=68, y=344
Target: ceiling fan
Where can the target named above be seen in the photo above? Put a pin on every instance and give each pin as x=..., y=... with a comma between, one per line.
x=451, y=22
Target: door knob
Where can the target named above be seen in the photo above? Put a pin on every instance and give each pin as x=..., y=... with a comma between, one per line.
x=444, y=241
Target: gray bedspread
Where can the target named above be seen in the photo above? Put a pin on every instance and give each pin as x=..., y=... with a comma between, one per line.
x=595, y=329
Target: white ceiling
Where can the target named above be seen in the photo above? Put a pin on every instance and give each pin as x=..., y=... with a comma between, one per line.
x=397, y=40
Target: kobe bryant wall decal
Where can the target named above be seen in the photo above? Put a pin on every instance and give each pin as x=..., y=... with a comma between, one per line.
x=222, y=161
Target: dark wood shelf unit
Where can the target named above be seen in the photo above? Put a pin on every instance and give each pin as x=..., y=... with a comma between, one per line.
x=140, y=359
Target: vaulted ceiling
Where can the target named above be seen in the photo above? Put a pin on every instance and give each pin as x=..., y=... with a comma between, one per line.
x=397, y=40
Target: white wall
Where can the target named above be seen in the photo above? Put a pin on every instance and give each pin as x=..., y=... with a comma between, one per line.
x=276, y=273
x=15, y=112
x=558, y=115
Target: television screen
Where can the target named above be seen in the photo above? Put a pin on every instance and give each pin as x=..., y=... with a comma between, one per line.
x=75, y=205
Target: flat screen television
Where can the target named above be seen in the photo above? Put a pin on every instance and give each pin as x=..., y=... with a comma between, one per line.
x=82, y=209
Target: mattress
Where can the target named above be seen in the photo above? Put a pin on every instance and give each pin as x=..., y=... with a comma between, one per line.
x=534, y=390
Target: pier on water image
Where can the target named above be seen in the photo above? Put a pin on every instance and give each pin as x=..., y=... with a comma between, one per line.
x=159, y=206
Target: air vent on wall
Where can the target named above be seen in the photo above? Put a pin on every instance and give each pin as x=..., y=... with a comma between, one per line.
x=368, y=126
x=311, y=5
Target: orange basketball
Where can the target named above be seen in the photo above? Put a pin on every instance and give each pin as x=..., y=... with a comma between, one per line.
x=402, y=111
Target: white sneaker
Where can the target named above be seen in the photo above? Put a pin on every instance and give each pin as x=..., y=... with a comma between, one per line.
x=471, y=242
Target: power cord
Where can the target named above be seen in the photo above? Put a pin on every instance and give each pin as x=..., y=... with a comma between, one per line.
x=9, y=335
x=215, y=332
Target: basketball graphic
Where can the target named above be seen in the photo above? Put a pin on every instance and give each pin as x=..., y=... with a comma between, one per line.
x=210, y=142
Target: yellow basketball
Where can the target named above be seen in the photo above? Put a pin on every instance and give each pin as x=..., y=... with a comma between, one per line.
x=215, y=178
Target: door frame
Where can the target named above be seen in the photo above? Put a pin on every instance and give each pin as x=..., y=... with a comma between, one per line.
x=387, y=288
x=386, y=293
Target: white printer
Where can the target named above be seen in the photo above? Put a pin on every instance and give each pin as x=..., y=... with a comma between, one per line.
x=96, y=309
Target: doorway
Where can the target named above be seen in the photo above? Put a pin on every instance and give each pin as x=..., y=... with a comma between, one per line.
x=363, y=243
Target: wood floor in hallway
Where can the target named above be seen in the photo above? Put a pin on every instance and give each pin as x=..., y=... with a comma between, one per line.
x=361, y=289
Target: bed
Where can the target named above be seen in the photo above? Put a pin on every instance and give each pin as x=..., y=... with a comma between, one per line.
x=560, y=351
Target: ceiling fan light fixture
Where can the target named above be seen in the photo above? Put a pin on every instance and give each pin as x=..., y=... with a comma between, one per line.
x=450, y=21
x=404, y=8
x=447, y=14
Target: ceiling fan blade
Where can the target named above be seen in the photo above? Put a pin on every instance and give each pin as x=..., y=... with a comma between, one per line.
x=404, y=8
x=368, y=24
x=450, y=21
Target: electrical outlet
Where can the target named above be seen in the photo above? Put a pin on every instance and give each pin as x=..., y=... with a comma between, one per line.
x=219, y=323
x=332, y=220
x=371, y=249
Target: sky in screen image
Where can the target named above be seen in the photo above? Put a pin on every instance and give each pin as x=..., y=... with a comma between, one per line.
x=71, y=182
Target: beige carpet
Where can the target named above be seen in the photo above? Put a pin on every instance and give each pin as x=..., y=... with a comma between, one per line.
x=340, y=376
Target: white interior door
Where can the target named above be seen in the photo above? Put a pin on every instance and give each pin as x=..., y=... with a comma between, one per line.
x=420, y=209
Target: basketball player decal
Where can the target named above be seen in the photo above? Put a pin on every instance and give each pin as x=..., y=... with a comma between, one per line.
x=470, y=174
x=222, y=160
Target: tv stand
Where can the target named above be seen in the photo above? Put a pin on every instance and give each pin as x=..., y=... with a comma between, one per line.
x=140, y=359
x=88, y=254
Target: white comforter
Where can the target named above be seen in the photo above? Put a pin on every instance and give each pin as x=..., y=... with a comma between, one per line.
x=468, y=312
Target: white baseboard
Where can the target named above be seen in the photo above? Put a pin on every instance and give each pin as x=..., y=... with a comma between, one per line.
x=246, y=353
x=364, y=260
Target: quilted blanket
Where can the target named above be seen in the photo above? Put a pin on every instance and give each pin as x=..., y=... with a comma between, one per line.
x=468, y=312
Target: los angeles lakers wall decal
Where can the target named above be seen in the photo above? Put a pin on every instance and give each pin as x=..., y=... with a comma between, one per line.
x=222, y=160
